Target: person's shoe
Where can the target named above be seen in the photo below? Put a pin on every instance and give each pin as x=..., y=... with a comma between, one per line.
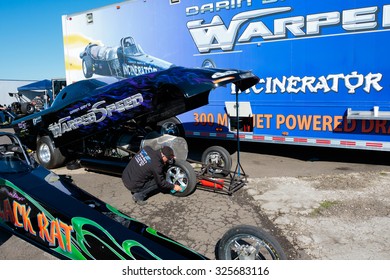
x=139, y=201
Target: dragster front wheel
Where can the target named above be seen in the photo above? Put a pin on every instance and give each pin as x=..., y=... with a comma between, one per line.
x=248, y=243
x=218, y=161
x=182, y=173
x=47, y=154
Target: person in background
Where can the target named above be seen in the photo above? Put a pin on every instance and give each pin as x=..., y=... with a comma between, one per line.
x=2, y=114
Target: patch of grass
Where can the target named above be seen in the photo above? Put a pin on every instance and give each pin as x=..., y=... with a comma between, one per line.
x=326, y=204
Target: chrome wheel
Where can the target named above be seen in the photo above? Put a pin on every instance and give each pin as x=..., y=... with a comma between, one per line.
x=170, y=128
x=44, y=153
x=182, y=173
x=247, y=242
x=176, y=175
x=217, y=160
x=247, y=247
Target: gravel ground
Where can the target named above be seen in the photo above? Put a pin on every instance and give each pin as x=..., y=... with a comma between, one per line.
x=329, y=217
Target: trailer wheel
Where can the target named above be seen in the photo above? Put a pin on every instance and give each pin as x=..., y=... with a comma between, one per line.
x=171, y=126
x=183, y=174
x=248, y=243
x=218, y=161
x=48, y=155
x=87, y=67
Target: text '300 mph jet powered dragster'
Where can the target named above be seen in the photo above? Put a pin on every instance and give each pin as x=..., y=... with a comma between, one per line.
x=55, y=215
x=105, y=118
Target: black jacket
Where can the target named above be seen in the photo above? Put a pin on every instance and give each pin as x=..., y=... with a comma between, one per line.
x=146, y=165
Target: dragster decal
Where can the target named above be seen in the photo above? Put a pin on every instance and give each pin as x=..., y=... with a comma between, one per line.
x=95, y=115
x=28, y=217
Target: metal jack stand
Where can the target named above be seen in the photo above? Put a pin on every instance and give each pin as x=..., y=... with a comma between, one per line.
x=234, y=181
x=239, y=171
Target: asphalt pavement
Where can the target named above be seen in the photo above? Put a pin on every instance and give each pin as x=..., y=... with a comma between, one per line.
x=306, y=198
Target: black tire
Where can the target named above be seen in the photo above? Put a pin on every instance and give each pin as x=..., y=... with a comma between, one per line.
x=248, y=243
x=23, y=108
x=30, y=109
x=171, y=126
x=16, y=108
x=48, y=155
x=218, y=160
x=87, y=67
x=182, y=173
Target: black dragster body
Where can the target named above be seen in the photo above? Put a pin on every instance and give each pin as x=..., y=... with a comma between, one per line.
x=99, y=112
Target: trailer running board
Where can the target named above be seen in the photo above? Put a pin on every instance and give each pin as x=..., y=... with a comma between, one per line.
x=374, y=114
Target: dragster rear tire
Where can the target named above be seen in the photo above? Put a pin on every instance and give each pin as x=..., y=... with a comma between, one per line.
x=246, y=242
x=182, y=173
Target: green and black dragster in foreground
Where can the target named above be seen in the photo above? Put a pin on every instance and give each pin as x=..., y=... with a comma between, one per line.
x=52, y=213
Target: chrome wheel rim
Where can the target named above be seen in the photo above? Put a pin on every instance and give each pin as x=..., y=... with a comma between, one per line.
x=248, y=247
x=176, y=175
x=44, y=153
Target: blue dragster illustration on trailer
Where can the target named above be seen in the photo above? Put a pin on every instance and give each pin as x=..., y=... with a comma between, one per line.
x=323, y=66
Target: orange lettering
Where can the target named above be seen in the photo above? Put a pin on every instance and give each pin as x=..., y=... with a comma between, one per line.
x=26, y=220
x=43, y=224
x=304, y=122
x=222, y=119
x=68, y=229
x=259, y=121
x=17, y=208
x=291, y=122
x=337, y=123
x=317, y=123
x=280, y=119
x=268, y=117
x=327, y=123
x=55, y=232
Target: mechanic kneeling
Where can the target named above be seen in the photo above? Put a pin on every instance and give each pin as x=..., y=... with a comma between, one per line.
x=144, y=173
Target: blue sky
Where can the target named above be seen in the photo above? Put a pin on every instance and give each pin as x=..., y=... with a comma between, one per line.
x=31, y=45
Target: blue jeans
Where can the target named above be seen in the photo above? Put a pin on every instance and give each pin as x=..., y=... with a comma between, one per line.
x=149, y=187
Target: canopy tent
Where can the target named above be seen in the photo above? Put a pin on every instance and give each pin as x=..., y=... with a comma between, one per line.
x=44, y=85
x=39, y=85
